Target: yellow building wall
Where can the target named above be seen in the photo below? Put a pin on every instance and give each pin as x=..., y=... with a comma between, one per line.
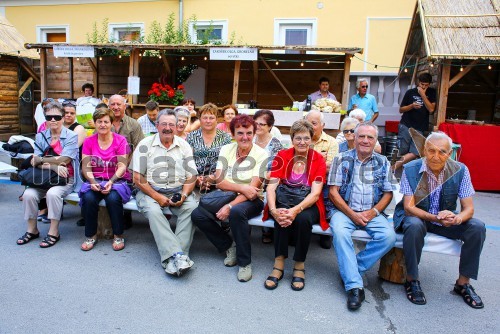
x=367, y=24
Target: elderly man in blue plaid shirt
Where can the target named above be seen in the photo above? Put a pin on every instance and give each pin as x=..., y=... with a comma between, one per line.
x=431, y=187
x=360, y=189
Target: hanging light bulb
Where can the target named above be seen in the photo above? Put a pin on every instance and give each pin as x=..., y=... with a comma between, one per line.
x=120, y=56
x=77, y=59
x=489, y=66
x=302, y=63
x=406, y=70
x=100, y=58
x=431, y=64
x=277, y=62
x=182, y=58
x=328, y=62
x=205, y=58
x=461, y=68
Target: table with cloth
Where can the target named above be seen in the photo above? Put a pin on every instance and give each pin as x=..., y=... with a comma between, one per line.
x=480, y=151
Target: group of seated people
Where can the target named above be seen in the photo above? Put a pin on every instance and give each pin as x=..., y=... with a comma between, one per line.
x=218, y=180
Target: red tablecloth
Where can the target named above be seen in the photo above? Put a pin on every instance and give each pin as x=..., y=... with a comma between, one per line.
x=480, y=152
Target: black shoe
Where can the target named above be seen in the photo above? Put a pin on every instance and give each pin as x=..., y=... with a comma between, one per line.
x=325, y=241
x=414, y=292
x=354, y=298
x=80, y=222
x=127, y=219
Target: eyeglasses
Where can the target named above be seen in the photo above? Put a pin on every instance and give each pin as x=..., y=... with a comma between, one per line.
x=56, y=118
x=364, y=86
x=164, y=125
x=348, y=131
x=300, y=139
x=260, y=124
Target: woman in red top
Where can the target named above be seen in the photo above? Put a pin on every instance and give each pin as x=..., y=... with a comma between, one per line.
x=299, y=167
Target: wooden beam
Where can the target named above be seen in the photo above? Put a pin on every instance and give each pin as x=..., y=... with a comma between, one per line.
x=255, y=66
x=71, y=72
x=277, y=79
x=461, y=74
x=236, y=80
x=43, y=73
x=444, y=85
x=28, y=69
x=168, y=68
x=25, y=85
x=133, y=71
x=345, y=81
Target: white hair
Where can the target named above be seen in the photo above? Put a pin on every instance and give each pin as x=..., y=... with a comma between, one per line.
x=437, y=136
x=181, y=111
x=321, y=116
x=348, y=121
x=360, y=80
x=359, y=114
x=118, y=96
x=367, y=124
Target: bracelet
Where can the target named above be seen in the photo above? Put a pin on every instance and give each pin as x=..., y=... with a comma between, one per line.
x=376, y=211
x=230, y=206
x=301, y=208
x=185, y=195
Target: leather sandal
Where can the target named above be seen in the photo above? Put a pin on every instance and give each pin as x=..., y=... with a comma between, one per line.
x=88, y=244
x=27, y=237
x=414, y=292
x=118, y=244
x=49, y=241
x=296, y=279
x=273, y=279
x=469, y=295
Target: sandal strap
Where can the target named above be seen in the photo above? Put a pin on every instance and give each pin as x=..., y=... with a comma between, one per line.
x=467, y=291
x=51, y=239
x=90, y=241
x=303, y=270
x=280, y=270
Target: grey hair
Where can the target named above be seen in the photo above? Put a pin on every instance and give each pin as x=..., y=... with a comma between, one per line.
x=367, y=124
x=53, y=105
x=360, y=80
x=321, y=116
x=117, y=95
x=166, y=112
x=439, y=135
x=348, y=121
x=358, y=113
x=181, y=111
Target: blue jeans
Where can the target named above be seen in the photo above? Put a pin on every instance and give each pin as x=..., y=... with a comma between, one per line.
x=352, y=266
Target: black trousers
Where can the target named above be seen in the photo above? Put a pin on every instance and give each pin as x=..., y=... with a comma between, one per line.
x=301, y=230
x=238, y=221
x=471, y=232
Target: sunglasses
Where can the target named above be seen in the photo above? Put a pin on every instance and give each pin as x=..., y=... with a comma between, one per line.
x=347, y=131
x=364, y=86
x=260, y=124
x=69, y=103
x=56, y=118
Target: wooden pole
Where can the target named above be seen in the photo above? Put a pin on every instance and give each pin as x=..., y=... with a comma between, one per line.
x=444, y=84
x=95, y=74
x=255, y=66
x=345, y=81
x=25, y=85
x=43, y=73
x=71, y=90
x=277, y=79
x=461, y=74
x=133, y=70
x=236, y=80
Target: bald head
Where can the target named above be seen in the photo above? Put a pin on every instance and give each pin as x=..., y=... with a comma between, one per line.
x=317, y=120
x=117, y=104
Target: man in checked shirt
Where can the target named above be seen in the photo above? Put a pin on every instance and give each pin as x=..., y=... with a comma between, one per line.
x=431, y=187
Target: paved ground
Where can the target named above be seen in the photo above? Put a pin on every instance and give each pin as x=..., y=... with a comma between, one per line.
x=63, y=289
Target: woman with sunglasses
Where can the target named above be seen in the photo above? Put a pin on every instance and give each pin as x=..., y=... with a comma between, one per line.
x=347, y=129
x=63, y=160
x=104, y=166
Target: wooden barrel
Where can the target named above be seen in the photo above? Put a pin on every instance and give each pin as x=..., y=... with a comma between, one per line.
x=392, y=266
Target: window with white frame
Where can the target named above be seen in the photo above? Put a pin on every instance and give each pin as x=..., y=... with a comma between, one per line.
x=126, y=32
x=211, y=31
x=295, y=32
x=52, y=34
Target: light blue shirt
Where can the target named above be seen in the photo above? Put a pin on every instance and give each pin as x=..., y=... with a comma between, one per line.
x=367, y=103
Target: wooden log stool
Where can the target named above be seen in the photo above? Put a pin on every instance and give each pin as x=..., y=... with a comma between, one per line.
x=392, y=266
x=104, y=228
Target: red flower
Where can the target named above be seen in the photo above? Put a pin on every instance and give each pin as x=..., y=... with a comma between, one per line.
x=180, y=87
x=171, y=93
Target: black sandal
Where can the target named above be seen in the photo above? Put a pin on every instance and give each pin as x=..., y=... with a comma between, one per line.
x=296, y=279
x=469, y=295
x=267, y=237
x=414, y=292
x=49, y=241
x=27, y=237
x=273, y=279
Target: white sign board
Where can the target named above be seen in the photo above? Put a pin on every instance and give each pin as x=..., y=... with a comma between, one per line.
x=133, y=85
x=74, y=51
x=233, y=53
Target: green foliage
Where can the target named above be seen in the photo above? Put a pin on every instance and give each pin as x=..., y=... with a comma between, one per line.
x=99, y=36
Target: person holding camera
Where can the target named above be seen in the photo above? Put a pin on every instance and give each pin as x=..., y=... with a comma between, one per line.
x=165, y=174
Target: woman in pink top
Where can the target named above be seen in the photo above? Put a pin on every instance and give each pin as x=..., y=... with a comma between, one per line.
x=229, y=112
x=104, y=166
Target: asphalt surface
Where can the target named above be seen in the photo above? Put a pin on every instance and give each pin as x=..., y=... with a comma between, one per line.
x=65, y=290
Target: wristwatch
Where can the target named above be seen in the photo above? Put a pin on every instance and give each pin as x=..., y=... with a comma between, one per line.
x=185, y=195
x=230, y=206
x=376, y=211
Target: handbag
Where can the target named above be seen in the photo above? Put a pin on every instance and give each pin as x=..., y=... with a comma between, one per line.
x=34, y=177
x=288, y=196
x=215, y=200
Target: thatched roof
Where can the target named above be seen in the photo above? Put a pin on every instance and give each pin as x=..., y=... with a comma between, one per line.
x=456, y=29
x=129, y=46
x=12, y=42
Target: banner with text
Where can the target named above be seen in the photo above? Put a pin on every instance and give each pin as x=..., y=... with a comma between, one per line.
x=234, y=53
x=73, y=51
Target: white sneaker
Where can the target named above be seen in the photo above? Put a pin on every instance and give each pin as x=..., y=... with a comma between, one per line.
x=245, y=273
x=170, y=268
x=230, y=260
x=183, y=263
